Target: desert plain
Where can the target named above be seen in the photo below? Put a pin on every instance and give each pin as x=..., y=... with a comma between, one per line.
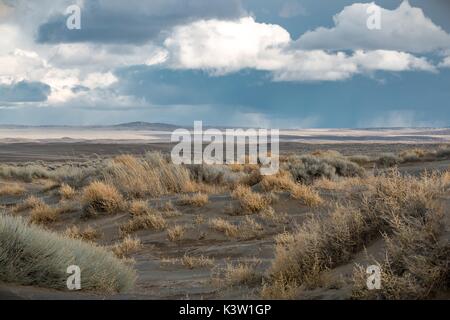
x=139, y=227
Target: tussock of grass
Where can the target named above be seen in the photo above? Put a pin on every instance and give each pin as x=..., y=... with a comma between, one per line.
x=224, y=226
x=35, y=257
x=43, y=213
x=307, y=195
x=282, y=181
x=30, y=202
x=250, y=228
x=99, y=197
x=196, y=200
x=247, y=229
x=139, y=208
x=193, y=262
x=67, y=192
x=176, y=233
x=270, y=215
x=152, y=176
x=89, y=234
x=126, y=247
x=150, y=221
x=249, y=201
x=13, y=189
x=237, y=274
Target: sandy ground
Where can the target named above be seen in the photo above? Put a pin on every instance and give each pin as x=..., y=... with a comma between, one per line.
x=161, y=278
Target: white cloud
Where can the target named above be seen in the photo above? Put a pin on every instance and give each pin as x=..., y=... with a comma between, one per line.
x=104, y=57
x=21, y=65
x=403, y=29
x=227, y=46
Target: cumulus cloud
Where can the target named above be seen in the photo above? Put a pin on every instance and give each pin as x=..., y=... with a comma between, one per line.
x=20, y=65
x=403, y=29
x=227, y=46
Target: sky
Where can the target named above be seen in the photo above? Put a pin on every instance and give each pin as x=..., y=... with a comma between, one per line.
x=264, y=63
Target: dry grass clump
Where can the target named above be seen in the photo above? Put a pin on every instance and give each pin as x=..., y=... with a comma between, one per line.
x=270, y=215
x=249, y=229
x=307, y=195
x=67, y=192
x=279, y=289
x=224, y=226
x=88, y=234
x=324, y=243
x=32, y=256
x=43, y=213
x=99, y=197
x=30, y=202
x=199, y=219
x=196, y=200
x=153, y=175
x=282, y=181
x=138, y=208
x=127, y=247
x=249, y=201
x=13, y=189
x=176, y=233
x=193, y=262
x=149, y=221
x=237, y=274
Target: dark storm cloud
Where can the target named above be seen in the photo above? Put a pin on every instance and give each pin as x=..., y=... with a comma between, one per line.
x=133, y=21
x=24, y=91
